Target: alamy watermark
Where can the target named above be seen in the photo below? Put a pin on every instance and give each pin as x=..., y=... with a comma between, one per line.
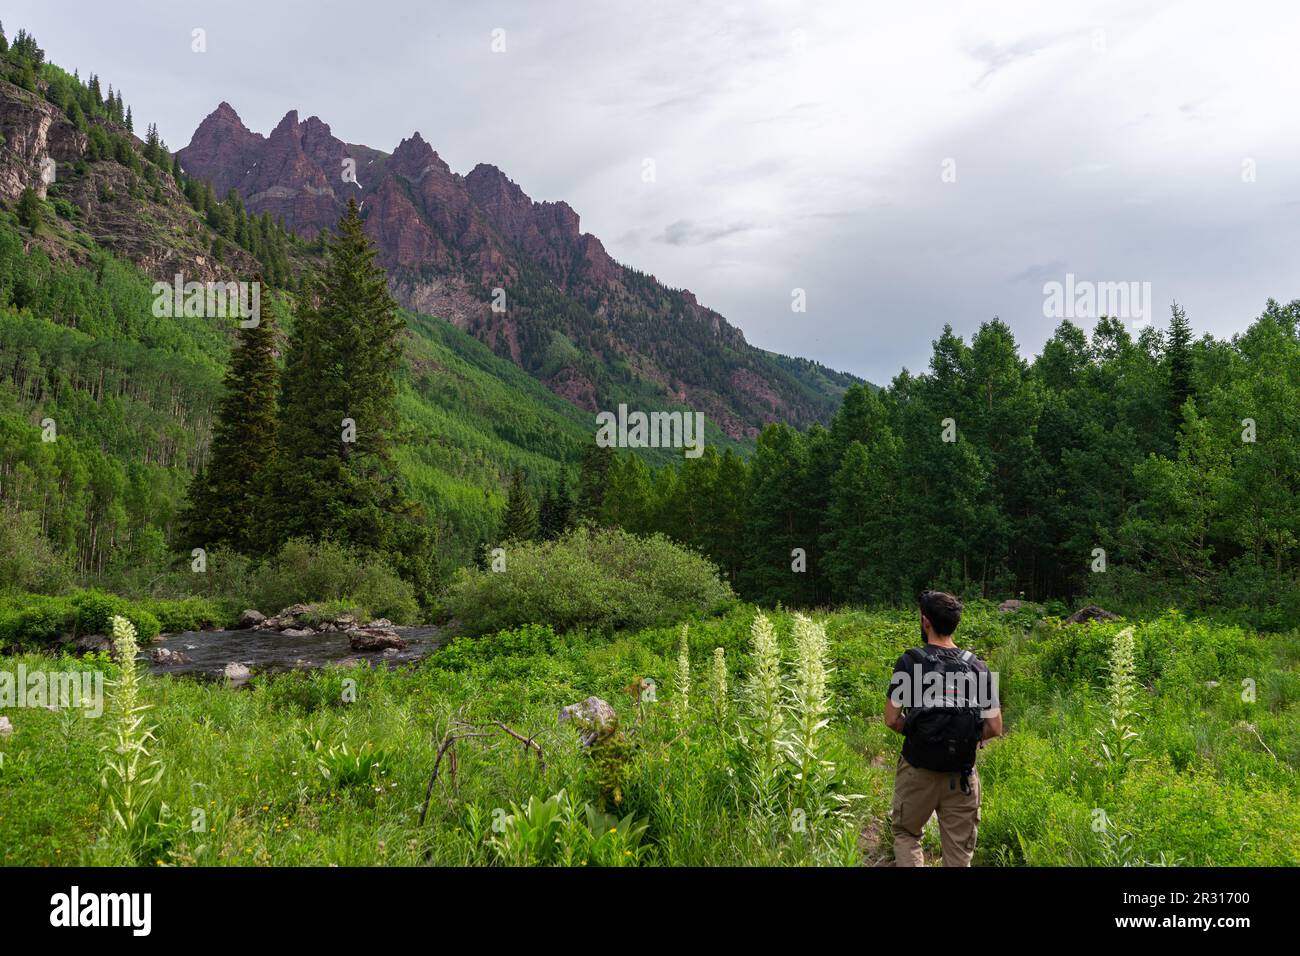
x=651, y=430
x=1084, y=299
x=53, y=690
x=919, y=689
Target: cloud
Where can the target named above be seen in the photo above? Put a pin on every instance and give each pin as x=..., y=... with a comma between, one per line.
x=687, y=232
x=797, y=145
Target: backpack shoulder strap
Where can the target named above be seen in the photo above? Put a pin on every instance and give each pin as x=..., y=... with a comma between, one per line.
x=916, y=654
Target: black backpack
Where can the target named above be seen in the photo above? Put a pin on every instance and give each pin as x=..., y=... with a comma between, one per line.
x=945, y=738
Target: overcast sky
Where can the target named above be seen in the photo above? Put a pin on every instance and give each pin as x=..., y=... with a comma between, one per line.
x=905, y=164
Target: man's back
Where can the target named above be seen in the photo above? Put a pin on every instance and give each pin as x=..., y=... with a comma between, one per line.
x=944, y=701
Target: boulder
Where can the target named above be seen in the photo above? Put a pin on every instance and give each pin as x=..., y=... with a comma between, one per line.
x=297, y=632
x=594, y=718
x=6, y=727
x=1007, y=607
x=251, y=618
x=1091, y=613
x=237, y=673
x=92, y=644
x=373, y=638
x=165, y=655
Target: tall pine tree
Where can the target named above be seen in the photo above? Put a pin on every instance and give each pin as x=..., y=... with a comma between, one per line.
x=519, y=523
x=223, y=499
x=334, y=474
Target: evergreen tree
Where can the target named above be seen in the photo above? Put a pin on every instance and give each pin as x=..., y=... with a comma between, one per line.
x=1178, y=357
x=224, y=498
x=593, y=477
x=556, y=510
x=334, y=474
x=29, y=210
x=519, y=522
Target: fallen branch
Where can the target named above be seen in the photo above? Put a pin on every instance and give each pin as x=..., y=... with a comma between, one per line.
x=463, y=730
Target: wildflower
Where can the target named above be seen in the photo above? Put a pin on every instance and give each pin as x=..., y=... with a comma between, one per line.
x=683, y=701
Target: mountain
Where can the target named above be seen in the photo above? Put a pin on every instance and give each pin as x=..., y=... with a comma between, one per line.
x=593, y=330
x=130, y=397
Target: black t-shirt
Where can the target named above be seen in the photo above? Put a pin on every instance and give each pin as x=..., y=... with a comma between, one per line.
x=905, y=690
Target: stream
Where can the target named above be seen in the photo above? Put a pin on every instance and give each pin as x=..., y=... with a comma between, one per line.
x=268, y=651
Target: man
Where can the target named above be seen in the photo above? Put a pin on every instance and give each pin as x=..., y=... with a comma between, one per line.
x=944, y=702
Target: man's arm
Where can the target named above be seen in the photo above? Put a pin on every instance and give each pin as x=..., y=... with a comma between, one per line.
x=894, y=716
x=992, y=725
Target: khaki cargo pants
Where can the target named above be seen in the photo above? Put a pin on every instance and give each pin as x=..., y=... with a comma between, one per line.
x=918, y=794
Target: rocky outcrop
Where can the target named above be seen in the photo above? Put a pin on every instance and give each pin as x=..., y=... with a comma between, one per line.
x=302, y=620
x=34, y=131
x=289, y=618
x=93, y=644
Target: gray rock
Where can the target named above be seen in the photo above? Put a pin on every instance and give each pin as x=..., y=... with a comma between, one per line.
x=1006, y=607
x=165, y=655
x=6, y=727
x=92, y=644
x=237, y=673
x=594, y=718
x=374, y=638
x=1091, y=613
x=251, y=618
x=297, y=632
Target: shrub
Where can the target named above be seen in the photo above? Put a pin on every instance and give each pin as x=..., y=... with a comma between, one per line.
x=305, y=572
x=187, y=614
x=33, y=619
x=531, y=640
x=601, y=579
x=96, y=610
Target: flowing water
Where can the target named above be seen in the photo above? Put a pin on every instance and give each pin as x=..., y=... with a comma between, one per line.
x=261, y=651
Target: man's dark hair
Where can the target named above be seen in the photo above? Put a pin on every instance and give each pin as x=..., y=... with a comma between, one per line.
x=942, y=609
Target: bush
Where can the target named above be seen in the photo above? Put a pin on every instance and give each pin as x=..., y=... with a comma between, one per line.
x=188, y=614
x=601, y=579
x=531, y=640
x=95, y=612
x=35, y=619
x=305, y=572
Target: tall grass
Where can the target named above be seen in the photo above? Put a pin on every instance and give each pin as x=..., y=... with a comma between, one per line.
x=1207, y=791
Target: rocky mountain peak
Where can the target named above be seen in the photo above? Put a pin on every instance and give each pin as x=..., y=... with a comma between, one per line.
x=444, y=238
